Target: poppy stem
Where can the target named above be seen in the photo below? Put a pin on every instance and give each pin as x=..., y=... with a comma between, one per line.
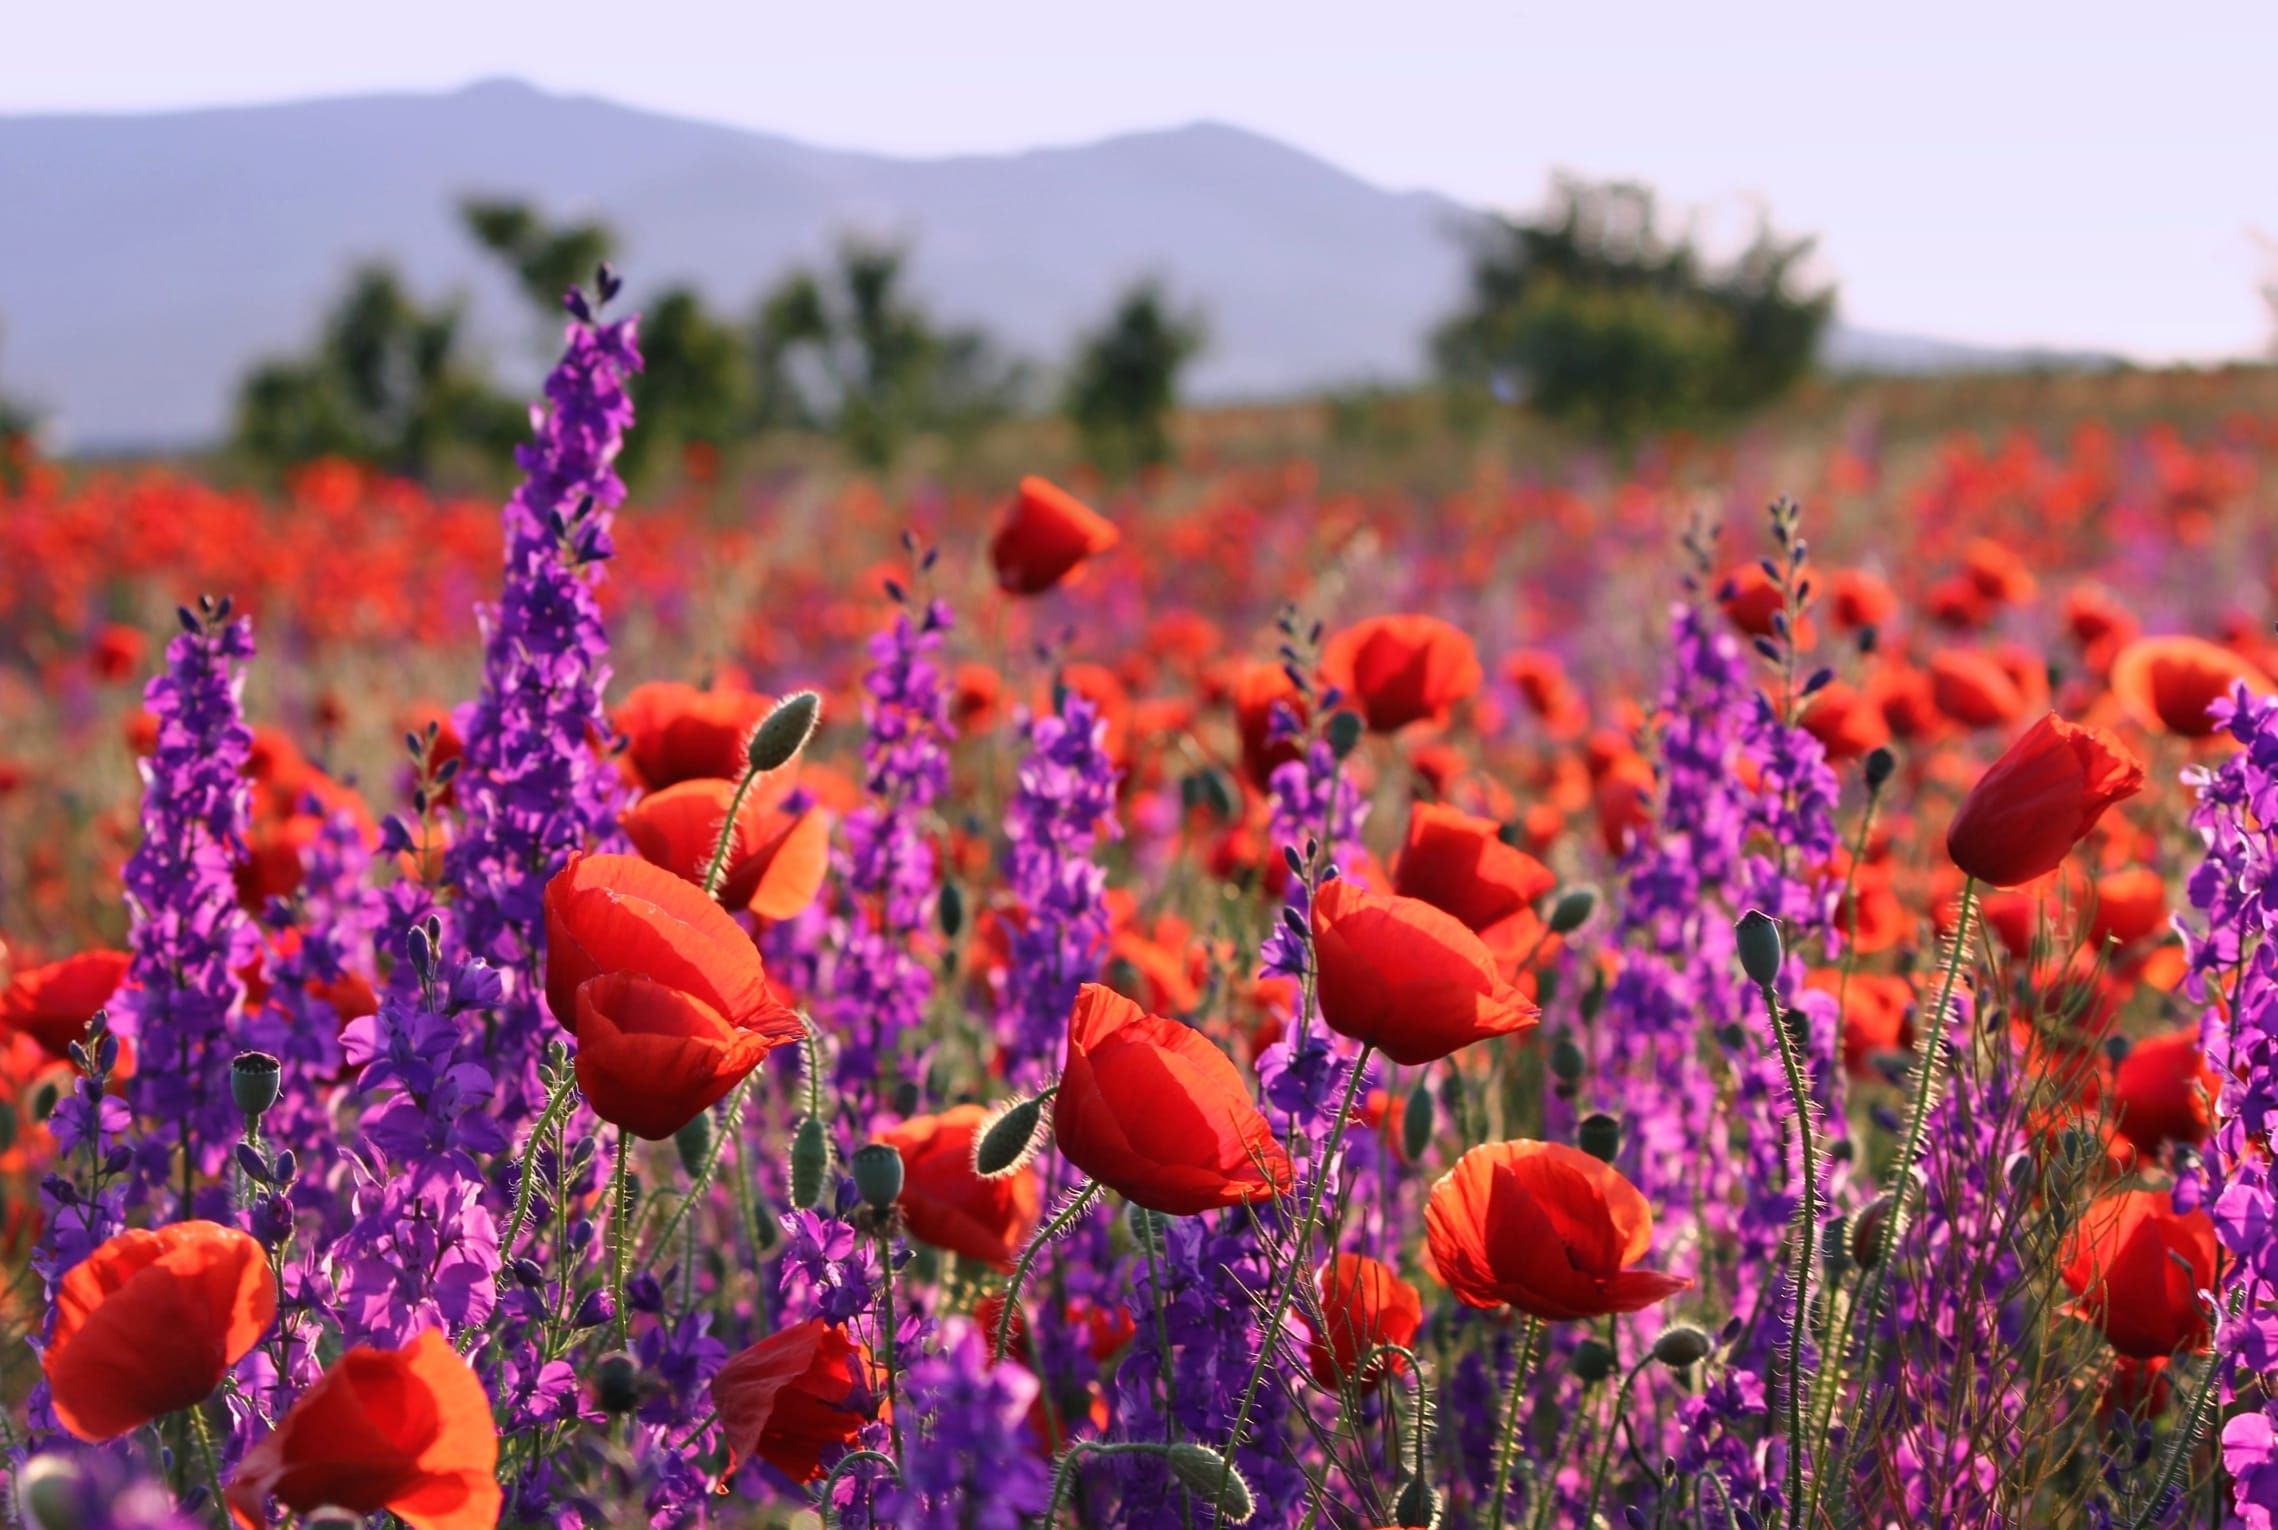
x=731, y=1125
x=1606, y=1445
x=196, y=1413
x=620, y=1235
x=1058, y=1225
x=1529, y=1337
x=1807, y=1227
x=886, y=1341
x=718, y=865
x=556, y=1103
x=851, y=1459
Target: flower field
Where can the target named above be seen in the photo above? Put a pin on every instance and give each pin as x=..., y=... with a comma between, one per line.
x=1666, y=999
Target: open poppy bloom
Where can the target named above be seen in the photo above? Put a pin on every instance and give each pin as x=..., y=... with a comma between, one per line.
x=1150, y=1109
x=2167, y=683
x=1861, y=599
x=1402, y=669
x=1256, y=690
x=2131, y=905
x=1974, y=689
x=405, y=1430
x=151, y=1322
x=618, y=913
x=651, y=1059
x=794, y=1397
x=52, y=1004
x=1544, y=1229
x=1364, y=1304
x=675, y=732
x=1401, y=976
x=1875, y=1006
x=1459, y=865
x=2136, y=1268
x=1045, y=533
x=950, y=1206
x=2161, y=1091
x=776, y=859
x=2039, y=800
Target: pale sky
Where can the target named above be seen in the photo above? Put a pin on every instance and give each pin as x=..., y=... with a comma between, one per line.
x=1998, y=171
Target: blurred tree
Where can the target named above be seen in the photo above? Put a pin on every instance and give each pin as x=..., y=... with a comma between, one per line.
x=1596, y=318
x=389, y=382
x=849, y=351
x=693, y=388
x=17, y=422
x=1125, y=381
x=547, y=260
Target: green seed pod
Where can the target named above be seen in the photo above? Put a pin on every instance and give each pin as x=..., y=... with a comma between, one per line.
x=951, y=909
x=1879, y=765
x=1344, y=733
x=1416, y=1123
x=1009, y=1140
x=617, y=1383
x=1567, y=1061
x=877, y=1170
x=1202, y=1469
x=781, y=734
x=1681, y=1346
x=1758, y=936
x=1418, y=1505
x=1573, y=909
x=1599, y=1135
x=254, y=1079
x=694, y=1142
x=766, y=1224
x=810, y=1164
x=1593, y=1361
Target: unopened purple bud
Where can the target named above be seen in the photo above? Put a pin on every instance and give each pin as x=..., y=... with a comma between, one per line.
x=118, y=1159
x=286, y=1168
x=644, y=1293
x=250, y=1160
x=273, y=1219
x=598, y=1307
x=527, y=1272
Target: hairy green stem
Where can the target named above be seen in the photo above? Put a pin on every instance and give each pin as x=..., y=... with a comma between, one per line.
x=1606, y=1445
x=1046, y=1234
x=1529, y=1336
x=719, y=862
x=1807, y=1227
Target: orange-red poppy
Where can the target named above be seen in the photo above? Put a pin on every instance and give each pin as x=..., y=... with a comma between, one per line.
x=1407, y=979
x=1875, y=1006
x=1974, y=689
x=151, y=1322
x=945, y=1203
x=794, y=1397
x=2167, y=683
x=776, y=860
x=1364, y=1304
x=1150, y=1109
x=675, y=732
x=2131, y=905
x=1858, y=599
x=1460, y=865
x=1402, y=669
x=408, y=1431
x=1046, y=532
x=52, y=1004
x=651, y=1059
x=2135, y=1268
x=1846, y=724
x=2162, y=1091
x=1544, y=1229
x=2038, y=800
x=1256, y=690
x=617, y=913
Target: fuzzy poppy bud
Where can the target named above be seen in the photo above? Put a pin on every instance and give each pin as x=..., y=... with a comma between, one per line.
x=1416, y=1123
x=1599, y=1135
x=810, y=1163
x=1758, y=936
x=1573, y=909
x=48, y=1493
x=1567, y=1061
x=694, y=1142
x=877, y=1170
x=617, y=1383
x=1203, y=1470
x=1593, y=1361
x=1418, y=1505
x=1006, y=1143
x=1867, y=1233
x=1681, y=1346
x=253, y=1082
x=781, y=734
x=1880, y=763
x=1344, y=733
x=951, y=910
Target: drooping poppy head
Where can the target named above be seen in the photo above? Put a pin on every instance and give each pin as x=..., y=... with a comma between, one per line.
x=617, y=913
x=675, y=732
x=1460, y=865
x=651, y=1059
x=797, y=1395
x=1401, y=976
x=947, y=1204
x=2039, y=800
x=776, y=859
x=1046, y=532
x=1544, y=1229
x=408, y=1431
x=1402, y=669
x=2167, y=683
x=1150, y=1109
x=2161, y=1091
x=52, y=1004
x=151, y=1322
x=2135, y=1268
x=1364, y=1304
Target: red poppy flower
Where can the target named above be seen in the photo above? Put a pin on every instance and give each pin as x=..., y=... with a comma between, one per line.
x=1974, y=689
x=651, y=1059
x=1846, y=724
x=1046, y=532
x=1405, y=978
x=1875, y=1009
x=150, y=1323
x=1256, y=690
x=949, y=1206
x=1858, y=599
x=52, y=1004
x=2160, y=1091
x=1460, y=865
x=1402, y=669
x=1150, y=1109
x=675, y=732
x=776, y=860
x=2039, y=800
x=1364, y=1304
x=1543, y=684
x=117, y=651
x=408, y=1431
x=2135, y=1269
x=1545, y=1229
x=2131, y=905
x=1750, y=600
x=1997, y=573
x=2167, y=683
x=794, y=1397
x=617, y=913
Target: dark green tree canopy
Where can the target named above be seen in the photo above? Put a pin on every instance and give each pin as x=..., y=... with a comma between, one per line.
x=1124, y=383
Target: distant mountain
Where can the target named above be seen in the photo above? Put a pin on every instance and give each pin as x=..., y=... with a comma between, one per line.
x=147, y=261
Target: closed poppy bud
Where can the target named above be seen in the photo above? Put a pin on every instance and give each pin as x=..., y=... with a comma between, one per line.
x=650, y=1059
x=946, y=1202
x=253, y=1082
x=1416, y=1123
x=795, y=1395
x=2167, y=683
x=1593, y=1361
x=785, y=732
x=1879, y=765
x=1599, y=1135
x=810, y=1163
x=693, y=1142
x=2039, y=800
x=617, y=1383
x=1681, y=1346
x=1207, y=1473
x=1364, y=1304
x=1045, y=533
x=877, y=1168
x=51, y=1494
x=1546, y=1230
x=1573, y=909
x=1758, y=936
x=150, y=1323
x=1401, y=976
x=1150, y=1109
x=405, y=1430
x=1867, y=1233
x=1009, y=1139
x=1403, y=669
x=1418, y=1505
x=2136, y=1267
